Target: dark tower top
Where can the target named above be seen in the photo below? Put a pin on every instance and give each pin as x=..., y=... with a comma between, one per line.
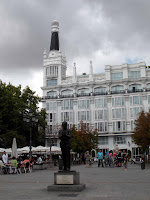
x=54, y=36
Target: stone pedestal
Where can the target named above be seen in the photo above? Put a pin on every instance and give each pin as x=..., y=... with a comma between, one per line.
x=66, y=181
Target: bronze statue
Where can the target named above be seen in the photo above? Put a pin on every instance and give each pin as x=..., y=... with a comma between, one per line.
x=65, y=145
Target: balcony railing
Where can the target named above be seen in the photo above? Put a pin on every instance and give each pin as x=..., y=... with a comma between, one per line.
x=94, y=94
x=67, y=96
x=99, y=93
x=49, y=97
x=118, y=92
x=135, y=90
x=84, y=94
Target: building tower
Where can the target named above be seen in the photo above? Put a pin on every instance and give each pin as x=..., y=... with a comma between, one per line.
x=54, y=70
x=54, y=64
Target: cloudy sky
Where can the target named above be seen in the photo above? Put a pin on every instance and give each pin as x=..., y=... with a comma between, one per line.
x=106, y=32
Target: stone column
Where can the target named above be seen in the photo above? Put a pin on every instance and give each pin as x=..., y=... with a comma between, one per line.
x=59, y=103
x=109, y=114
x=75, y=109
x=127, y=113
x=92, y=111
x=144, y=97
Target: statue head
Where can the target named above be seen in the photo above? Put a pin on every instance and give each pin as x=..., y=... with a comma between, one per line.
x=64, y=125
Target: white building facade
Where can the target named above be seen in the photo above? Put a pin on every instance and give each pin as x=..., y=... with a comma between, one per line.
x=108, y=102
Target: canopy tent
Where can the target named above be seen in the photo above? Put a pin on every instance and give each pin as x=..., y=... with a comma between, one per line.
x=42, y=149
x=2, y=150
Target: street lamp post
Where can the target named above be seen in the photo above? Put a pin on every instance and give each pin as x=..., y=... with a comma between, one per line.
x=30, y=118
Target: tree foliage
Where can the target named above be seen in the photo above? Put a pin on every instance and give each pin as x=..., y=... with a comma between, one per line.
x=142, y=130
x=13, y=103
x=83, y=139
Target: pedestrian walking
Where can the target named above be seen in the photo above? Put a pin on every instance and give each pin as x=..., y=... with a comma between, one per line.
x=87, y=158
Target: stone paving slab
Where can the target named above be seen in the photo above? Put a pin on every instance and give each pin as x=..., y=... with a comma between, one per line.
x=101, y=184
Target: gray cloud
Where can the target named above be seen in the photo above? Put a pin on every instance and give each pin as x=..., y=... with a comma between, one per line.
x=106, y=31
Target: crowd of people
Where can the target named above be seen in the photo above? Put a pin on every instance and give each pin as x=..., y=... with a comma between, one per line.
x=16, y=165
x=113, y=158
x=116, y=158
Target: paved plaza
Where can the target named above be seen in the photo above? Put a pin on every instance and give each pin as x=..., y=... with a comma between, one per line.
x=101, y=184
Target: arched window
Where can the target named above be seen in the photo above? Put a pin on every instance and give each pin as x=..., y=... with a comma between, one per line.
x=67, y=92
x=99, y=90
x=52, y=93
x=135, y=87
x=117, y=89
x=84, y=92
x=148, y=86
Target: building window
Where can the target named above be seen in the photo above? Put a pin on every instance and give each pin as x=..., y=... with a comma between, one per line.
x=100, y=103
x=116, y=76
x=67, y=104
x=51, y=106
x=99, y=90
x=134, y=74
x=136, y=100
x=52, y=117
x=47, y=106
x=101, y=126
x=67, y=116
x=134, y=112
x=117, y=88
x=103, y=140
x=83, y=115
x=135, y=87
x=83, y=104
x=83, y=91
x=52, y=94
x=118, y=101
x=67, y=92
x=99, y=114
x=118, y=113
x=119, y=126
x=132, y=125
x=119, y=140
x=52, y=82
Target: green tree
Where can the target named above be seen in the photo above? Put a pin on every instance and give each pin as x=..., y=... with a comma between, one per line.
x=84, y=139
x=142, y=131
x=13, y=103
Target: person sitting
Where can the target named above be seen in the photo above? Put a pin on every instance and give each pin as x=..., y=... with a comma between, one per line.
x=14, y=165
x=26, y=165
x=39, y=160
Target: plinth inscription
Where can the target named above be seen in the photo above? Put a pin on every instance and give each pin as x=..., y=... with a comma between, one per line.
x=64, y=179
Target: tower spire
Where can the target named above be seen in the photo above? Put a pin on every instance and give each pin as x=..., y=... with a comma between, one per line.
x=91, y=72
x=54, y=36
x=74, y=73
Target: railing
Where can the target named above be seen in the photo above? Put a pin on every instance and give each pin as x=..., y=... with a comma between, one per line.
x=49, y=97
x=84, y=94
x=94, y=94
x=99, y=93
x=67, y=96
x=118, y=92
x=135, y=90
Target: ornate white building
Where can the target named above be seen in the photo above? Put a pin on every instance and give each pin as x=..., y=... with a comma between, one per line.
x=109, y=102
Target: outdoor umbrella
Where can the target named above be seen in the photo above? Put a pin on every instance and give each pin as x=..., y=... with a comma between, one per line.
x=14, y=152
